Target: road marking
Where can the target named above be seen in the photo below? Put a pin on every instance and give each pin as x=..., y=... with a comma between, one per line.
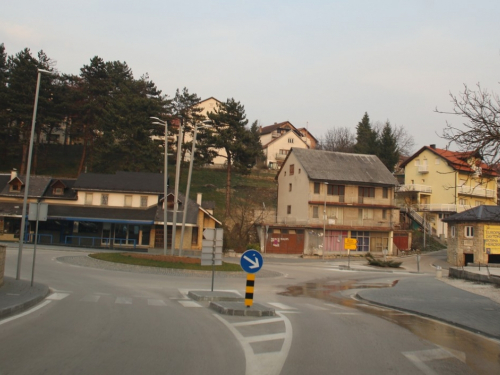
x=90, y=298
x=123, y=300
x=156, y=302
x=44, y=303
x=189, y=304
x=185, y=292
x=314, y=307
x=57, y=296
x=336, y=306
x=344, y=313
x=281, y=306
x=418, y=358
x=254, y=322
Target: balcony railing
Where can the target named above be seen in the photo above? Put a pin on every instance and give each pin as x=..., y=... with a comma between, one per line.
x=349, y=200
x=414, y=187
x=281, y=156
x=436, y=207
x=287, y=220
x=423, y=169
x=478, y=192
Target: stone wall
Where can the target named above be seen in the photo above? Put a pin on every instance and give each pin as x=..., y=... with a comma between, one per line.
x=455, y=273
x=460, y=245
x=3, y=251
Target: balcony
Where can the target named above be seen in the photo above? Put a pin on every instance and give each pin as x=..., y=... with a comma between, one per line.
x=414, y=188
x=478, y=192
x=287, y=220
x=423, y=169
x=281, y=156
x=438, y=207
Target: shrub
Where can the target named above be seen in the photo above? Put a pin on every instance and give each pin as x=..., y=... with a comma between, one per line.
x=254, y=246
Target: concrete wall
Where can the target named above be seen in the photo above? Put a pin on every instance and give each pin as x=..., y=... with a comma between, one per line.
x=455, y=273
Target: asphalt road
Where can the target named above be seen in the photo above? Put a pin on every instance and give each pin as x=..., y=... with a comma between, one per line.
x=113, y=322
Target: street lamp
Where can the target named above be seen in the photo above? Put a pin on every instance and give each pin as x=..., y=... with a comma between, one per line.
x=186, y=198
x=324, y=222
x=165, y=182
x=28, y=171
x=176, y=191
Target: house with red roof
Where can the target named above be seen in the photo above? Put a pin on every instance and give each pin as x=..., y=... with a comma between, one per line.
x=439, y=183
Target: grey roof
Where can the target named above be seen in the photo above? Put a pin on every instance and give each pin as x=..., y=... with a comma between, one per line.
x=343, y=167
x=38, y=185
x=137, y=182
x=69, y=193
x=479, y=213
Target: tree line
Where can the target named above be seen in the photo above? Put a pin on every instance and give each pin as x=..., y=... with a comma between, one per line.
x=108, y=111
x=382, y=139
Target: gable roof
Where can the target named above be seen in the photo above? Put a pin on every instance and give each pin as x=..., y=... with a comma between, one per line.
x=342, y=167
x=282, y=135
x=134, y=182
x=271, y=128
x=455, y=159
x=479, y=213
x=38, y=185
x=308, y=133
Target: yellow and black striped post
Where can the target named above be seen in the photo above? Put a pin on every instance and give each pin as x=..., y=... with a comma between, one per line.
x=249, y=289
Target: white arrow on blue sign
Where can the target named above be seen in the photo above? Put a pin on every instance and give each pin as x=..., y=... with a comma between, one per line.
x=251, y=261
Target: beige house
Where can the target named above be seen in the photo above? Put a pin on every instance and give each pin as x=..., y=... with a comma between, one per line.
x=474, y=236
x=439, y=183
x=325, y=197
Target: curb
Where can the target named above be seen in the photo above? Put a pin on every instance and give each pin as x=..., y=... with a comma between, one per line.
x=432, y=317
x=16, y=309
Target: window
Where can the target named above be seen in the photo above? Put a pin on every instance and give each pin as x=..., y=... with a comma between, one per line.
x=317, y=187
x=288, y=210
x=300, y=170
x=385, y=192
x=366, y=213
x=104, y=199
x=438, y=161
x=365, y=191
x=417, y=162
x=478, y=203
x=315, y=212
x=384, y=214
x=292, y=167
x=363, y=240
x=128, y=201
x=462, y=202
x=336, y=189
x=289, y=187
x=453, y=232
x=290, y=140
x=89, y=197
x=58, y=191
x=144, y=201
x=283, y=152
x=469, y=231
x=15, y=186
x=194, y=236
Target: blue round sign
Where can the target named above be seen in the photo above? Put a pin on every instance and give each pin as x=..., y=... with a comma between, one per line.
x=251, y=261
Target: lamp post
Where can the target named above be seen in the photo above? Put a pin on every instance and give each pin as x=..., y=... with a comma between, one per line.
x=324, y=222
x=28, y=171
x=165, y=183
x=176, y=190
x=186, y=198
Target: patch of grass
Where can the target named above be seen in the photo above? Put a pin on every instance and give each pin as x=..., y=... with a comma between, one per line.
x=157, y=261
x=381, y=263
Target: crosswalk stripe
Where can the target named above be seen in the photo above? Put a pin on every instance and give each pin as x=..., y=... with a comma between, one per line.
x=57, y=296
x=281, y=306
x=189, y=304
x=314, y=307
x=90, y=298
x=123, y=300
x=156, y=302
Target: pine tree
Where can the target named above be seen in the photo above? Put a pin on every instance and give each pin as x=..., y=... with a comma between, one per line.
x=366, y=137
x=387, y=151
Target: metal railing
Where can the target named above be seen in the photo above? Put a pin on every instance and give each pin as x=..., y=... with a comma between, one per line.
x=30, y=237
x=414, y=187
x=334, y=221
x=100, y=241
x=476, y=191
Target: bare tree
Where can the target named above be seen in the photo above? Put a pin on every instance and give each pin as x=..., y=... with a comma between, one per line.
x=480, y=131
x=338, y=139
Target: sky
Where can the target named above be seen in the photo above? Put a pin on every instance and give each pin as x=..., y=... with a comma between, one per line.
x=318, y=64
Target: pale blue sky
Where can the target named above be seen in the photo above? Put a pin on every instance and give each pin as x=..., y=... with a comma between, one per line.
x=321, y=63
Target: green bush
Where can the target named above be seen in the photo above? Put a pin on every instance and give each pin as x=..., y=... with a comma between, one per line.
x=254, y=246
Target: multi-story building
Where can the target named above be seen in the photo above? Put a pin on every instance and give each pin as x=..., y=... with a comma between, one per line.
x=325, y=197
x=438, y=183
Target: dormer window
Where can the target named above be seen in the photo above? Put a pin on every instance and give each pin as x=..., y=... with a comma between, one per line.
x=15, y=187
x=58, y=191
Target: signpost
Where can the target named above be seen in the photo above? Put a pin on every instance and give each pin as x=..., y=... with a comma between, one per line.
x=211, y=250
x=350, y=244
x=251, y=262
x=38, y=212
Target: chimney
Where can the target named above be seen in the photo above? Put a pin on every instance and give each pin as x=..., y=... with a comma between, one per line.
x=433, y=146
x=13, y=174
x=198, y=199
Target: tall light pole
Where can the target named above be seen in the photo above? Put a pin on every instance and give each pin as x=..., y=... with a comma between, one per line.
x=184, y=213
x=324, y=222
x=28, y=171
x=176, y=191
x=165, y=183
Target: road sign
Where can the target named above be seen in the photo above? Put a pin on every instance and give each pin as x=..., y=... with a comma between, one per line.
x=211, y=247
x=213, y=233
x=38, y=211
x=350, y=243
x=251, y=261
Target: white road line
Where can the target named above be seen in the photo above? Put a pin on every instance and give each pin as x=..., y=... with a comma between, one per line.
x=90, y=298
x=288, y=312
x=156, y=302
x=189, y=304
x=254, y=322
x=314, y=307
x=281, y=306
x=262, y=338
x=419, y=357
x=57, y=296
x=123, y=300
x=344, y=313
x=336, y=306
x=44, y=303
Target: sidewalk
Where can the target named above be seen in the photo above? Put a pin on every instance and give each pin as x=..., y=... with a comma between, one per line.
x=432, y=298
x=18, y=295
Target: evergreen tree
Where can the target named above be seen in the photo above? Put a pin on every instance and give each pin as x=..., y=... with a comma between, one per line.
x=241, y=145
x=366, y=137
x=4, y=118
x=387, y=151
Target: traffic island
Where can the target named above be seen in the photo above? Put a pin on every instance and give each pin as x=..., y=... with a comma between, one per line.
x=239, y=309
x=205, y=295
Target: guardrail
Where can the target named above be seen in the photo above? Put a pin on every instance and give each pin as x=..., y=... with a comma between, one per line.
x=30, y=237
x=100, y=241
x=414, y=187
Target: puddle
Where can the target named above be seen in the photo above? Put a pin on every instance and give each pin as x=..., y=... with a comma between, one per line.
x=482, y=355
